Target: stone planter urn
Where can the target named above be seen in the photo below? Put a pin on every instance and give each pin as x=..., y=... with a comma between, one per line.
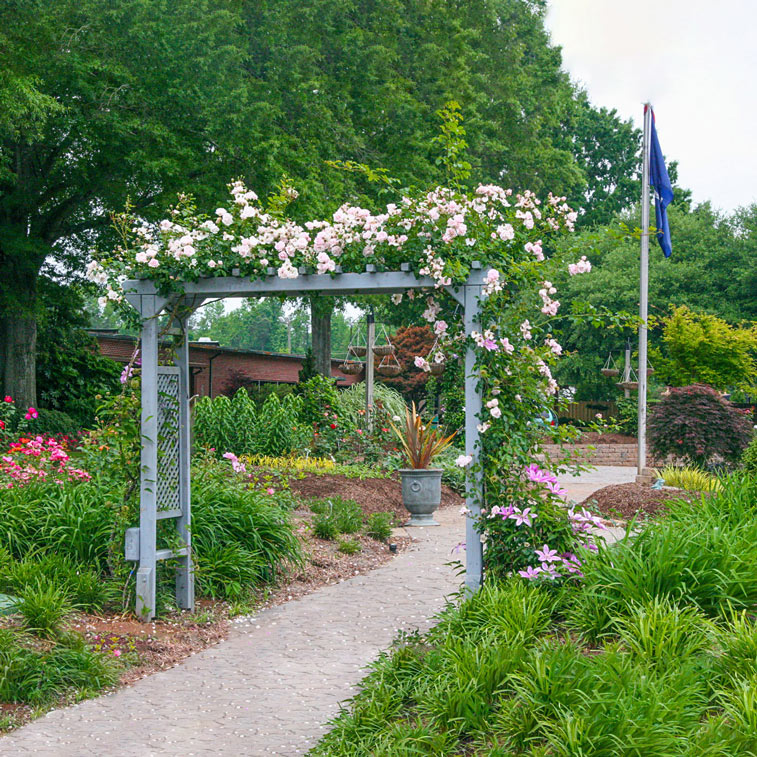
x=421, y=494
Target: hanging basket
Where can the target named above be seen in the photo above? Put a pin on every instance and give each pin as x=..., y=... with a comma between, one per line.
x=630, y=385
x=382, y=350
x=358, y=350
x=389, y=370
x=351, y=367
x=610, y=368
x=436, y=369
x=389, y=365
x=387, y=348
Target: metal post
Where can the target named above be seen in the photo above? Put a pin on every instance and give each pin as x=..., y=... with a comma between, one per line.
x=627, y=369
x=369, y=369
x=185, y=595
x=644, y=291
x=149, y=464
x=474, y=550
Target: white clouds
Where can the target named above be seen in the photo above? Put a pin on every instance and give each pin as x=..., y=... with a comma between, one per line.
x=695, y=60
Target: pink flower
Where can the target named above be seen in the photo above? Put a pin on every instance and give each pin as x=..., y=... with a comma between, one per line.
x=269, y=490
x=521, y=517
x=530, y=572
x=539, y=476
x=8, y=398
x=31, y=413
x=116, y=653
x=547, y=555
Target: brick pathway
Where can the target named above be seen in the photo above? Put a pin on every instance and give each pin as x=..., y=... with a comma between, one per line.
x=273, y=684
x=270, y=688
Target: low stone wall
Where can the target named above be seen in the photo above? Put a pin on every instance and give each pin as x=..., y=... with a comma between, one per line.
x=602, y=454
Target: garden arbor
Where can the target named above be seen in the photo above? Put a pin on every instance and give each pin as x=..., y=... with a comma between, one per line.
x=165, y=491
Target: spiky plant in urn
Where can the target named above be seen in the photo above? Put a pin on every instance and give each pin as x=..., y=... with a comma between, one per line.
x=421, y=484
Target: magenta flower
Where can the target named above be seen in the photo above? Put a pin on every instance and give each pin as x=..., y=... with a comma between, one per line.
x=539, y=476
x=530, y=572
x=547, y=555
x=549, y=571
x=521, y=517
x=555, y=488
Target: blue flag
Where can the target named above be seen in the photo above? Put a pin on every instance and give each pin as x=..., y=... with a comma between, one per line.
x=663, y=192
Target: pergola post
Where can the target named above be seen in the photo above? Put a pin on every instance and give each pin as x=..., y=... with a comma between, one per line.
x=185, y=594
x=474, y=551
x=148, y=463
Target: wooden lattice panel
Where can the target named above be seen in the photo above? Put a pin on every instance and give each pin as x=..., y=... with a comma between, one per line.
x=168, y=439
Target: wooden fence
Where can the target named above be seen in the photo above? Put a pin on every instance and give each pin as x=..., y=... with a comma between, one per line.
x=587, y=411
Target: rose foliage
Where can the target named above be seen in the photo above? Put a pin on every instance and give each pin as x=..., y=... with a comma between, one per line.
x=440, y=234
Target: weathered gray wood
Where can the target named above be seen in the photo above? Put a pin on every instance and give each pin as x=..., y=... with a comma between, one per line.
x=185, y=594
x=149, y=464
x=142, y=295
x=474, y=554
x=390, y=282
x=369, y=368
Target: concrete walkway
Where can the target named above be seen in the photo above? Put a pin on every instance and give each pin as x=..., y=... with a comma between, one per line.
x=272, y=685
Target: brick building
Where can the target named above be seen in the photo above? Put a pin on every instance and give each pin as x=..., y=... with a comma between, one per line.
x=213, y=369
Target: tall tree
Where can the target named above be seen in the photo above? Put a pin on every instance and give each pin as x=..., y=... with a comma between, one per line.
x=108, y=101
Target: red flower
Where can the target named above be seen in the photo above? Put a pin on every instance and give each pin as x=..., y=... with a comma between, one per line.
x=8, y=398
x=2, y=424
x=333, y=425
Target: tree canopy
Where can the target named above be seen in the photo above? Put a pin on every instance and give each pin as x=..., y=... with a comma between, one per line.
x=711, y=271
x=101, y=102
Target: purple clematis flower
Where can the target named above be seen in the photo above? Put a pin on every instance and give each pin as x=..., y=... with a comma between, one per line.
x=530, y=572
x=539, y=476
x=547, y=555
x=521, y=517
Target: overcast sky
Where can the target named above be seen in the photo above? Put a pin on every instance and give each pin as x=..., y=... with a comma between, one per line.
x=694, y=60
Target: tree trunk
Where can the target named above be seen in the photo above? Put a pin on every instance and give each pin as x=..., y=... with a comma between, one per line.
x=19, y=360
x=320, y=324
x=18, y=342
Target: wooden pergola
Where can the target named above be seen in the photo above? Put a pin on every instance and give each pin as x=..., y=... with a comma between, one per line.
x=165, y=491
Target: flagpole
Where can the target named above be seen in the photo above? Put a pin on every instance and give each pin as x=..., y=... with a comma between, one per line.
x=644, y=292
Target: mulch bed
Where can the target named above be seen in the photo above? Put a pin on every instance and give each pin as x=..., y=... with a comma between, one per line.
x=625, y=501
x=374, y=495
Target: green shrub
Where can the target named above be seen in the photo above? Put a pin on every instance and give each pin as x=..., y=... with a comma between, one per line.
x=701, y=554
x=240, y=540
x=44, y=608
x=235, y=425
x=349, y=546
x=319, y=395
x=73, y=520
x=694, y=423
x=749, y=458
x=83, y=586
x=691, y=479
x=325, y=526
x=32, y=676
x=379, y=526
x=52, y=422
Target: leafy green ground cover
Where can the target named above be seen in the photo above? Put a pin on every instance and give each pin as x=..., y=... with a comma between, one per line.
x=653, y=652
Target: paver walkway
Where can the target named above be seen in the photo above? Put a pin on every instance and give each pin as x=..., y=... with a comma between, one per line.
x=270, y=687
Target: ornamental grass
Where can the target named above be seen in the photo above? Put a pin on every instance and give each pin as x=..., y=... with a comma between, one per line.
x=654, y=653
